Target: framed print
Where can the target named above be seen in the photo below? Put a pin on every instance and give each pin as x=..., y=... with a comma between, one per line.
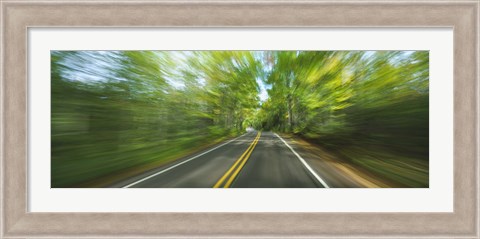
x=240, y=119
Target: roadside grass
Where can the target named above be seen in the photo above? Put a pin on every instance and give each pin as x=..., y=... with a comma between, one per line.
x=127, y=161
x=384, y=165
x=408, y=171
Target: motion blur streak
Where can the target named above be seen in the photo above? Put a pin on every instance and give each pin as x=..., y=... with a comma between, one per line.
x=118, y=114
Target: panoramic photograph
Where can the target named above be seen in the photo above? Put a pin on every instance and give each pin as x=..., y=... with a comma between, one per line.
x=239, y=119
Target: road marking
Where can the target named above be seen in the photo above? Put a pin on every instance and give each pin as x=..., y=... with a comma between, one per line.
x=249, y=149
x=185, y=161
x=235, y=174
x=319, y=179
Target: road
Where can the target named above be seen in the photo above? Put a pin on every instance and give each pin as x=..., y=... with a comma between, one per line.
x=253, y=160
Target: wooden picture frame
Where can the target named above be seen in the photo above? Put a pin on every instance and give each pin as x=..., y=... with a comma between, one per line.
x=18, y=16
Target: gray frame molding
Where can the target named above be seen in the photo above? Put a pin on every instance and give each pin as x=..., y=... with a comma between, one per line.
x=18, y=15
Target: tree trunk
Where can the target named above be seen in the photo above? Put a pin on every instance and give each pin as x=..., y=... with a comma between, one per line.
x=289, y=111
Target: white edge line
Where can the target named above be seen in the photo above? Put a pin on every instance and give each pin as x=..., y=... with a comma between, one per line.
x=178, y=164
x=305, y=163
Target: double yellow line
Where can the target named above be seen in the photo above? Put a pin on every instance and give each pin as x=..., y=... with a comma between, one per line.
x=240, y=163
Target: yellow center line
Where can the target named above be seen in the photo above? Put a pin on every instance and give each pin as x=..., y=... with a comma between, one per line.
x=249, y=149
x=244, y=161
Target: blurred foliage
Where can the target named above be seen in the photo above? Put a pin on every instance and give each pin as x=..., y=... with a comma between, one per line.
x=370, y=107
x=113, y=111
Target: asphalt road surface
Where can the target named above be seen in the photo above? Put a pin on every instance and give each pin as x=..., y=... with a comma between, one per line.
x=253, y=160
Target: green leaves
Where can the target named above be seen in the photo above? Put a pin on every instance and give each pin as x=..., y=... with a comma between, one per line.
x=116, y=110
x=316, y=90
x=359, y=104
